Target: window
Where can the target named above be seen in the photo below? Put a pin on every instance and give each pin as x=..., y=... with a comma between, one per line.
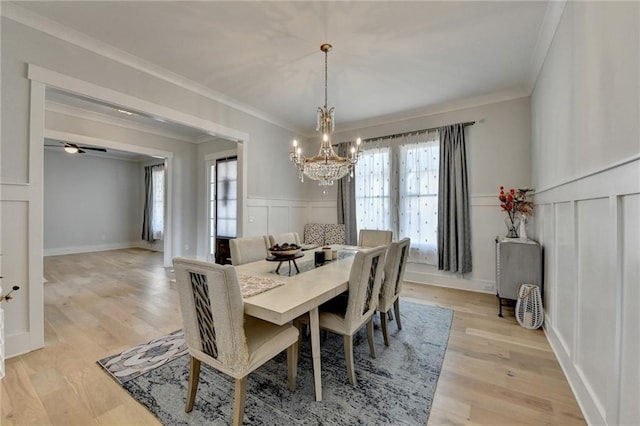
x=226, y=196
x=157, y=202
x=153, y=213
x=373, y=197
x=397, y=188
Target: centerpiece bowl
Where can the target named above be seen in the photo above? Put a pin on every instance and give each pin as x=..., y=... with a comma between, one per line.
x=284, y=250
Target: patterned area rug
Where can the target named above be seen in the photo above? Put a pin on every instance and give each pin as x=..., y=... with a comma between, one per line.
x=395, y=388
x=142, y=358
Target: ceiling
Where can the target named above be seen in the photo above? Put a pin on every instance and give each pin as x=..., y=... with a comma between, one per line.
x=389, y=58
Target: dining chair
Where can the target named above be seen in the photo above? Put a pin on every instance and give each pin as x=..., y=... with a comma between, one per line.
x=287, y=237
x=346, y=314
x=335, y=233
x=248, y=249
x=374, y=238
x=218, y=333
x=394, y=267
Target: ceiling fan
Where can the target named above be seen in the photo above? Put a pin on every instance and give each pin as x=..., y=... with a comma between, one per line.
x=72, y=148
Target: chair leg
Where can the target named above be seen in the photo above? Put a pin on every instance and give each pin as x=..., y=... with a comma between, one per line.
x=348, y=356
x=383, y=325
x=372, y=347
x=396, y=308
x=239, y=400
x=194, y=378
x=292, y=365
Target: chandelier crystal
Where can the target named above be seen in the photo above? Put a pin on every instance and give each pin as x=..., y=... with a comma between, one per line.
x=327, y=166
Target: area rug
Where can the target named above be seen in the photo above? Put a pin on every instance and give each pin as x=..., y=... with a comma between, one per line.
x=395, y=388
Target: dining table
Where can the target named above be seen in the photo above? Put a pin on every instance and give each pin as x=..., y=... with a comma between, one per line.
x=302, y=293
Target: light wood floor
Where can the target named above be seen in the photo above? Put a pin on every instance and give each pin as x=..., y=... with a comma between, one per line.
x=97, y=304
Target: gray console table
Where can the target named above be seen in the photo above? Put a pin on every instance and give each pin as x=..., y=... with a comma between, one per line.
x=518, y=261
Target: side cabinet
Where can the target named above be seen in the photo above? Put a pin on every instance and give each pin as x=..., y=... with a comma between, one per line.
x=518, y=261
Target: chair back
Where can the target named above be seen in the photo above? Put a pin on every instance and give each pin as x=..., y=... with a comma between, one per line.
x=287, y=237
x=248, y=249
x=335, y=233
x=394, y=267
x=365, y=280
x=374, y=238
x=314, y=233
x=212, y=311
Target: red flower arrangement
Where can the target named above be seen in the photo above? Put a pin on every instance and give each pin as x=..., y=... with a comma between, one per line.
x=515, y=203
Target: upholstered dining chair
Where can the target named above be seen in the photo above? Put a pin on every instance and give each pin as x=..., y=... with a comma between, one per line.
x=287, y=237
x=218, y=333
x=394, y=266
x=248, y=249
x=346, y=314
x=374, y=238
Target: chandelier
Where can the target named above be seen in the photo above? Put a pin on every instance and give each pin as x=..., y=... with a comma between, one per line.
x=327, y=166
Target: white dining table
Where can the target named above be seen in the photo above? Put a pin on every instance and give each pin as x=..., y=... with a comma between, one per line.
x=301, y=293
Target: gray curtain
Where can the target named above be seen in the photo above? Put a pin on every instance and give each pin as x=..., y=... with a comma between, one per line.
x=347, y=200
x=454, y=229
x=147, y=233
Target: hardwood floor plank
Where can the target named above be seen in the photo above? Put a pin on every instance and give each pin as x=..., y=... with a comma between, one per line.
x=98, y=304
x=19, y=400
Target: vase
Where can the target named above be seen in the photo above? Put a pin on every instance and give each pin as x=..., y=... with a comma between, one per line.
x=512, y=226
x=522, y=230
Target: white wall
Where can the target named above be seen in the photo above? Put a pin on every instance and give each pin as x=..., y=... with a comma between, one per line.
x=90, y=203
x=586, y=168
x=499, y=153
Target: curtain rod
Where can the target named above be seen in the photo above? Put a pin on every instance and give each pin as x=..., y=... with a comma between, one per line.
x=468, y=123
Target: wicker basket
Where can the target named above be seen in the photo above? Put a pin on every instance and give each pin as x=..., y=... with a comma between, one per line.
x=529, y=312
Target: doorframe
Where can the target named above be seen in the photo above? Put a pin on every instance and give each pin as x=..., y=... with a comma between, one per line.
x=209, y=160
x=40, y=78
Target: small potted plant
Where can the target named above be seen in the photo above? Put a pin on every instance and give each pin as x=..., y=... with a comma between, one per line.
x=518, y=207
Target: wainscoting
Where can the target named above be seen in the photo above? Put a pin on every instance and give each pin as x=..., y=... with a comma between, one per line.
x=590, y=230
x=274, y=216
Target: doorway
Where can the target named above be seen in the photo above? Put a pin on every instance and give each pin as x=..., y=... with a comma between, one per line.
x=40, y=80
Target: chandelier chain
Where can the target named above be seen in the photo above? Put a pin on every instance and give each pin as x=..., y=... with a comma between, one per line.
x=326, y=54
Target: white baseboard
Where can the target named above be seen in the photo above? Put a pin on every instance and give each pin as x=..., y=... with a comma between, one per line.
x=590, y=408
x=91, y=248
x=442, y=279
x=18, y=344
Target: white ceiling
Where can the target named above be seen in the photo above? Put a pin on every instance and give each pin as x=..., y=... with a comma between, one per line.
x=389, y=57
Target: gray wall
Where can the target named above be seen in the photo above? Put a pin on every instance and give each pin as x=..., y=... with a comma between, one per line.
x=586, y=168
x=90, y=203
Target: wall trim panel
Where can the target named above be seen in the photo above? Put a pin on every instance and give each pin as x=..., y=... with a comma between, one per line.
x=610, y=184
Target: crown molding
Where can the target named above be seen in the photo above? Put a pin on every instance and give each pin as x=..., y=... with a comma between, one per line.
x=39, y=23
x=550, y=23
x=114, y=121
